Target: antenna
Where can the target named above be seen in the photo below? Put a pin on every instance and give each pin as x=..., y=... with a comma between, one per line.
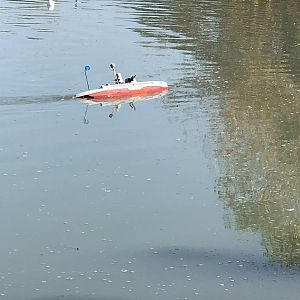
x=87, y=68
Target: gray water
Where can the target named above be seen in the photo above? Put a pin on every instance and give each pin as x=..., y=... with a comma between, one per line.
x=194, y=195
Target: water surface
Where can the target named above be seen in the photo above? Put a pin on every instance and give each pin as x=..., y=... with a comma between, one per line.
x=193, y=195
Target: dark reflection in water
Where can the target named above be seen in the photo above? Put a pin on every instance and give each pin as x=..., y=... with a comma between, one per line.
x=231, y=262
x=243, y=68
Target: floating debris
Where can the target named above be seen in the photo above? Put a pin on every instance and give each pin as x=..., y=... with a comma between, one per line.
x=124, y=270
x=290, y=209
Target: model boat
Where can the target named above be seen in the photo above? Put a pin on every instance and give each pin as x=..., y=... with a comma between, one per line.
x=130, y=88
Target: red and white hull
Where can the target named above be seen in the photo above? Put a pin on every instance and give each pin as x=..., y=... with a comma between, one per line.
x=107, y=93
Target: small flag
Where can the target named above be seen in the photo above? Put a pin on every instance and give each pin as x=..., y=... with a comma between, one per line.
x=87, y=68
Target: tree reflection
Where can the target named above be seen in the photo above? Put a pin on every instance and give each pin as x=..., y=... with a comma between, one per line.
x=248, y=56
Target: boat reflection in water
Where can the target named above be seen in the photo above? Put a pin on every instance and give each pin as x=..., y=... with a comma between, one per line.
x=116, y=103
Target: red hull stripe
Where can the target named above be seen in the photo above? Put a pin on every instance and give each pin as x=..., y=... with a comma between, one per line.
x=108, y=95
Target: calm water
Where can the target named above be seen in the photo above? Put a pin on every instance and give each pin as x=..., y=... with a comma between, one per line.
x=195, y=195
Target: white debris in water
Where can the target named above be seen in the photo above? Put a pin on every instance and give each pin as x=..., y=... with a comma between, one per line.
x=290, y=209
x=124, y=270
